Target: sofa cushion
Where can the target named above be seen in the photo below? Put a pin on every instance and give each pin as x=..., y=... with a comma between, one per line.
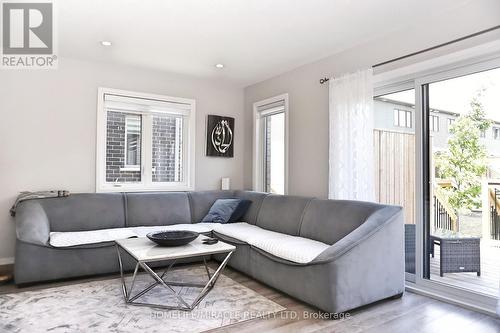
x=292, y=248
x=328, y=221
x=201, y=201
x=86, y=211
x=242, y=231
x=256, y=198
x=282, y=213
x=157, y=208
x=66, y=239
x=227, y=211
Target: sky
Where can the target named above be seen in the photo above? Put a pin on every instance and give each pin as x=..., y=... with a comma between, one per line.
x=456, y=94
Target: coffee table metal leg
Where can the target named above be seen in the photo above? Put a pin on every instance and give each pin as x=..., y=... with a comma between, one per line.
x=133, y=281
x=139, y=294
x=151, y=286
x=206, y=268
x=166, y=286
x=211, y=283
x=129, y=299
x=124, y=287
x=168, y=268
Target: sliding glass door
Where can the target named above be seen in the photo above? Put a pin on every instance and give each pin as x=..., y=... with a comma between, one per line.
x=462, y=185
x=437, y=154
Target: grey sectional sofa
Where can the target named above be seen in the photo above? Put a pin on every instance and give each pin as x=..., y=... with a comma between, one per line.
x=362, y=262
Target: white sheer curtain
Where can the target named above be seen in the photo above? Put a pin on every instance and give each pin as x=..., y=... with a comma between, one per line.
x=351, y=174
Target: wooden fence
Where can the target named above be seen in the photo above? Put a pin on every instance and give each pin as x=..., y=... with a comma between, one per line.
x=395, y=170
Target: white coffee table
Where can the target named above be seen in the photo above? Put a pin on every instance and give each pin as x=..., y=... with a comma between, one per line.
x=145, y=252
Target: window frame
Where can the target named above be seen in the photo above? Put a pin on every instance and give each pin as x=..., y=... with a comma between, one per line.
x=146, y=183
x=131, y=167
x=259, y=141
x=403, y=118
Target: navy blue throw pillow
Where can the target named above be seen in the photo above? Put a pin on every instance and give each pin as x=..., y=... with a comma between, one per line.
x=240, y=211
x=227, y=210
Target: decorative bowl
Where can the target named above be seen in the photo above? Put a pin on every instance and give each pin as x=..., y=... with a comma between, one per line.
x=172, y=238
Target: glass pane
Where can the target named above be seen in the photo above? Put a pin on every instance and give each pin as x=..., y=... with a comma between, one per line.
x=123, y=147
x=274, y=153
x=402, y=118
x=167, y=148
x=394, y=150
x=408, y=119
x=464, y=169
x=133, y=140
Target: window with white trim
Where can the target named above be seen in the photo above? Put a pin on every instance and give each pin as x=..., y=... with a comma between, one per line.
x=402, y=118
x=145, y=142
x=271, y=145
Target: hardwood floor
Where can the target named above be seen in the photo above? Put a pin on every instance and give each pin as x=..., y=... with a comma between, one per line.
x=411, y=313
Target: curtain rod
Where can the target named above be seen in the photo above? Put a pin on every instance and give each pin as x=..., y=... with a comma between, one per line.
x=325, y=79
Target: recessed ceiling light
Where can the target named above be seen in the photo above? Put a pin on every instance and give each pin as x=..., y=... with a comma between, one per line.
x=106, y=43
x=219, y=66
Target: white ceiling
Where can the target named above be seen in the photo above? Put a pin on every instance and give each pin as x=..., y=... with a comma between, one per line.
x=254, y=39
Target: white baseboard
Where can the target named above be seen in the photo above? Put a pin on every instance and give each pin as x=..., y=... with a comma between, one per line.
x=6, y=261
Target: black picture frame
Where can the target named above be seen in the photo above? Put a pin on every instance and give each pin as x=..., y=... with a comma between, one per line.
x=220, y=136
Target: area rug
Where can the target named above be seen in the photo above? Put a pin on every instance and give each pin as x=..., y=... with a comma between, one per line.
x=98, y=306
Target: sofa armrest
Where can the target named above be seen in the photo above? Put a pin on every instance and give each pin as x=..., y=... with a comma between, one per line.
x=32, y=224
x=375, y=222
x=368, y=264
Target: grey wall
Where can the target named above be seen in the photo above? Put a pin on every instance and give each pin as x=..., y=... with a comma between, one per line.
x=48, y=128
x=308, y=100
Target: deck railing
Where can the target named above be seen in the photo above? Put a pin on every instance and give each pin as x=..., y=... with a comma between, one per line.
x=444, y=215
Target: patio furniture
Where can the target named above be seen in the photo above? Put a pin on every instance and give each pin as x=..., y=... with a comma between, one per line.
x=458, y=254
x=410, y=248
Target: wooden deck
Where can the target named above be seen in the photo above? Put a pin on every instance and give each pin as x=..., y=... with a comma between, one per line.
x=487, y=283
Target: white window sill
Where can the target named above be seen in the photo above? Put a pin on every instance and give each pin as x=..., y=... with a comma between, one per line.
x=142, y=188
x=131, y=168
